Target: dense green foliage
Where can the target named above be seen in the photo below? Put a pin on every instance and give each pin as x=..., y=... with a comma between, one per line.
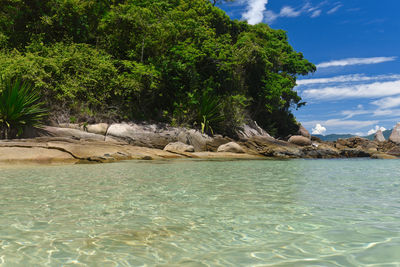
x=19, y=108
x=152, y=60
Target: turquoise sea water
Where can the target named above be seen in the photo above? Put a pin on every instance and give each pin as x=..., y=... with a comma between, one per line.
x=202, y=213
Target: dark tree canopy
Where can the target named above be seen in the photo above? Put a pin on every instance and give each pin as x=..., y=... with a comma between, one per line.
x=151, y=60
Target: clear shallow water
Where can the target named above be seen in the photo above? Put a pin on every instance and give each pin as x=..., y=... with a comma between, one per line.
x=202, y=213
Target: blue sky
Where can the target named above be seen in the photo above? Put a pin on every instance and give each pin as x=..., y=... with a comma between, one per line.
x=355, y=45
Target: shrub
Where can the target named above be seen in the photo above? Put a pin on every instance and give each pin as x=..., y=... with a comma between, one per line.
x=19, y=108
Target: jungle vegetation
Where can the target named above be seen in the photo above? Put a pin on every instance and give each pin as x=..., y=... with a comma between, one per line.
x=175, y=61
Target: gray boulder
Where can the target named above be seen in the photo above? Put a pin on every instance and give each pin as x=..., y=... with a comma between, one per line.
x=300, y=140
x=178, y=147
x=145, y=135
x=379, y=136
x=195, y=138
x=395, y=136
x=230, y=147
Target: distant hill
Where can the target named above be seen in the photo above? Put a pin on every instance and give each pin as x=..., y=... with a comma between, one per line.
x=334, y=137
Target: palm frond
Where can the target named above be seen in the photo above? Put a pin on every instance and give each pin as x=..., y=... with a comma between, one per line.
x=20, y=107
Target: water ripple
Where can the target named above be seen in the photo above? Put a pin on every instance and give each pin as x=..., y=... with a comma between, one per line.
x=202, y=213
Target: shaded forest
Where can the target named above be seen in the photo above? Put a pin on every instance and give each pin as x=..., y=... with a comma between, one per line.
x=181, y=62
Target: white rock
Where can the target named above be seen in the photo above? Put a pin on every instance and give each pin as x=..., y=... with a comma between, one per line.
x=100, y=128
x=230, y=147
x=379, y=136
x=178, y=147
x=395, y=136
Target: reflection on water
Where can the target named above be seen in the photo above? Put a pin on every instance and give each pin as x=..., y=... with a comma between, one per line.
x=202, y=213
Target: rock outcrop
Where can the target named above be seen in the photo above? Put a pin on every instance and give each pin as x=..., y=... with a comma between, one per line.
x=270, y=147
x=216, y=141
x=125, y=141
x=59, y=150
x=250, y=130
x=379, y=136
x=383, y=156
x=303, y=132
x=395, y=136
x=70, y=133
x=144, y=135
x=231, y=147
x=394, y=151
x=178, y=147
x=300, y=140
x=355, y=143
x=195, y=138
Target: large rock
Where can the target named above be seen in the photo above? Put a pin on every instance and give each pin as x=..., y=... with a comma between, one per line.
x=394, y=151
x=70, y=133
x=100, y=128
x=250, y=130
x=270, y=147
x=354, y=153
x=75, y=126
x=145, y=135
x=216, y=141
x=231, y=147
x=355, y=142
x=195, y=138
x=300, y=140
x=24, y=155
x=303, y=132
x=395, y=136
x=59, y=149
x=66, y=150
x=379, y=136
x=178, y=147
x=383, y=156
x=320, y=150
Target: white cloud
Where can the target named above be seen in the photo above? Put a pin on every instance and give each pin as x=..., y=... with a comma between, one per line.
x=377, y=128
x=355, y=61
x=386, y=113
x=319, y=129
x=270, y=16
x=316, y=13
x=255, y=11
x=348, y=78
x=349, y=124
x=289, y=12
x=351, y=113
x=376, y=89
x=387, y=102
x=333, y=10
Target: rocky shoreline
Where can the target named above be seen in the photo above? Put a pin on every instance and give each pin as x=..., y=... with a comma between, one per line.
x=103, y=143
